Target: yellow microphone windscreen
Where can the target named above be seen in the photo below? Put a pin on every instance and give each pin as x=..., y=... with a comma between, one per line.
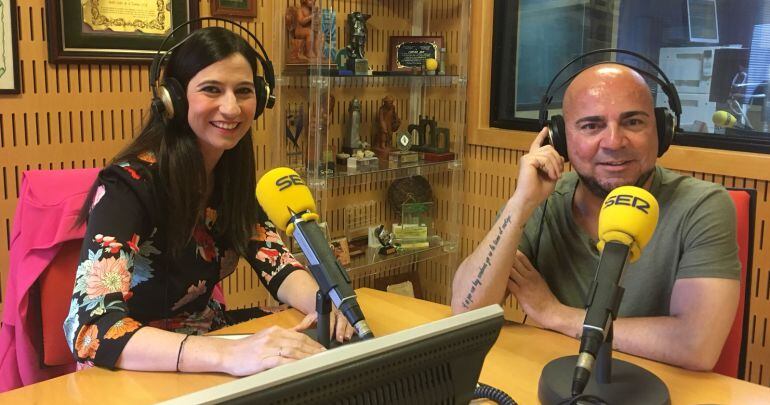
x=282, y=191
x=629, y=215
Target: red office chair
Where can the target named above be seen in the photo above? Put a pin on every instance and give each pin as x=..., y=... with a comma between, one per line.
x=732, y=361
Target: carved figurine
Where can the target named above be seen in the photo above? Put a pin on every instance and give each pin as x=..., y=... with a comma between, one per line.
x=305, y=38
x=387, y=123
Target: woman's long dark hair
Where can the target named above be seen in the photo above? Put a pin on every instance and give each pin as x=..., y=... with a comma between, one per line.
x=182, y=178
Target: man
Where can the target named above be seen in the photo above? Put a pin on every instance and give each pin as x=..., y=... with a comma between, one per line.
x=681, y=295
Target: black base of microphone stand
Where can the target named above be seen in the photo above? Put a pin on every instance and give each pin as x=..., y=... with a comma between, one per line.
x=321, y=333
x=630, y=384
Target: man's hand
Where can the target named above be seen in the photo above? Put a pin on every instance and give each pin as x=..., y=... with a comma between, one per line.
x=532, y=293
x=538, y=172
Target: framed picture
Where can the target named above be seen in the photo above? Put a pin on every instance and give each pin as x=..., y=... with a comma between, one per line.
x=9, y=52
x=92, y=31
x=237, y=8
x=341, y=250
x=408, y=53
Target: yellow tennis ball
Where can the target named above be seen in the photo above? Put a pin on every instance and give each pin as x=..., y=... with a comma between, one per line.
x=431, y=64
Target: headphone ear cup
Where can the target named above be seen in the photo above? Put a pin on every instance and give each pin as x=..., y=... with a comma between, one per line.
x=174, y=100
x=263, y=93
x=664, y=121
x=557, y=135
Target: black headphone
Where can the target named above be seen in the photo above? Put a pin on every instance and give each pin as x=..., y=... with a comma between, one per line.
x=667, y=123
x=169, y=99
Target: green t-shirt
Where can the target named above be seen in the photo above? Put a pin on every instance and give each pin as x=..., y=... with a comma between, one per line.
x=695, y=237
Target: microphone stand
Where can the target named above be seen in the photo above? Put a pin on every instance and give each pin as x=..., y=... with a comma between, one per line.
x=614, y=381
x=323, y=308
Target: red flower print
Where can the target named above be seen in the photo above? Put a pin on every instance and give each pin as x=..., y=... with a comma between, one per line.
x=205, y=242
x=147, y=157
x=268, y=255
x=122, y=327
x=193, y=292
x=210, y=217
x=260, y=233
x=87, y=343
x=288, y=258
x=134, y=243
x=132, y=172
x=107, y=276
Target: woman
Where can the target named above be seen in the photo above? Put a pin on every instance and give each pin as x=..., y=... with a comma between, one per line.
x=170, y=217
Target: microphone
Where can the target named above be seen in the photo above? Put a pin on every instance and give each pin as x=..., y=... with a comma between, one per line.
x=627, y=220
x=724, y=119
x=289, y=205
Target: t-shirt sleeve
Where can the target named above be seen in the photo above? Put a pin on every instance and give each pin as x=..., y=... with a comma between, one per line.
x=709, y=246
x=270, y=258
x=97, y=326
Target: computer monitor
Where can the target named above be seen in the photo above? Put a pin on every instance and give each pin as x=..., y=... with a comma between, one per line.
x=438, y=362
x=702, y=21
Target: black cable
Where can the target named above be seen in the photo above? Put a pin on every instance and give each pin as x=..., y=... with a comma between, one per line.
x=584, y=399
x=494, y=394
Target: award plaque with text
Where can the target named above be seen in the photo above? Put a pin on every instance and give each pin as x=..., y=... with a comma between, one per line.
x=131, y=31
x=408, y=53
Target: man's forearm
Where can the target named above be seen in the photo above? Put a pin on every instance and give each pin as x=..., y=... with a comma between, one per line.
x=482, y=277
x=667, y=339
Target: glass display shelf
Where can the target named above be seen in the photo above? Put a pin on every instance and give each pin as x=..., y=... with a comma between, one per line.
x=343, y=177
x=369, y=263
x=304, y=80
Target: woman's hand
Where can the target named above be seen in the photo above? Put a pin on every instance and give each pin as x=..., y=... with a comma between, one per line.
x=339, y=327
x=267, y=349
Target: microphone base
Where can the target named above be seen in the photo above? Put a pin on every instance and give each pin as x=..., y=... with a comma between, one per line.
x=630, y=384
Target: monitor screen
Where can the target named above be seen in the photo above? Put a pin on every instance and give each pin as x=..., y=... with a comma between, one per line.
x=438, y=362
x=702, y=21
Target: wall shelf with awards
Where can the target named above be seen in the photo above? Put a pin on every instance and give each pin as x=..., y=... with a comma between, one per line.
x=371, y=263
x=372, y=97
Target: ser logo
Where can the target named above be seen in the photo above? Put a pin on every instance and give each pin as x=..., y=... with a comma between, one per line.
x=629, y=200
x=285, y=182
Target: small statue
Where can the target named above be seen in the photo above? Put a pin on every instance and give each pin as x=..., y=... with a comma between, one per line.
x=305, y=38
x=387, y=123
x=357, y=29
x=352, y=139
x=353, y=53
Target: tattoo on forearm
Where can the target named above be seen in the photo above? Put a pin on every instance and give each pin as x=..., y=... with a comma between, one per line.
x=487, y=262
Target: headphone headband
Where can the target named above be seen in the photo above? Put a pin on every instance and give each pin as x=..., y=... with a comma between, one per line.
x=668, y=88
x=267, y=65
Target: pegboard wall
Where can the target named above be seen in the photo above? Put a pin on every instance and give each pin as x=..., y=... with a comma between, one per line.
x=80, y=115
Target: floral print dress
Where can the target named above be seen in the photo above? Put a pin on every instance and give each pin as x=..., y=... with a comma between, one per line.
x=126, y=280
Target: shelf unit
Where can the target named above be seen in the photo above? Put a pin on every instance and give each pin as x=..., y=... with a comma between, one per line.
x=322, y=96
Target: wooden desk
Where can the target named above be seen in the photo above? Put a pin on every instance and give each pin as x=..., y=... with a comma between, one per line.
x=513, y=365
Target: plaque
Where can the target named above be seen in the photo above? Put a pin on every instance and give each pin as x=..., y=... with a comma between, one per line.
x=408, y=53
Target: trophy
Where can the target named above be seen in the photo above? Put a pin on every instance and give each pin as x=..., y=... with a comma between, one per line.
x=432, y=142
x=387, y=122
x=354, y=52
x=352, y=140
x=403, y=156
x=385, y=238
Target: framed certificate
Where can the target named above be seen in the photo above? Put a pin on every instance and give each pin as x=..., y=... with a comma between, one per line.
x=128, y=31
x=234, y=8
x=408, y=53
x=9, y=53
